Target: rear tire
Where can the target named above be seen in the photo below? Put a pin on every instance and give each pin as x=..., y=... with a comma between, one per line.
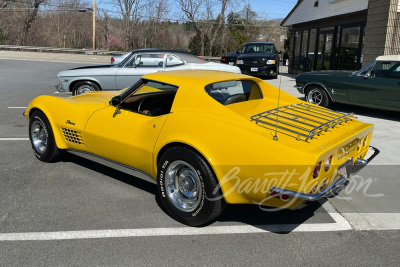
x=186, y=186
x=316, y=95
x=84, y=87
x=42, y=138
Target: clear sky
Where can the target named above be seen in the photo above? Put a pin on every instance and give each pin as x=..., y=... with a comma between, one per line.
x=272, y=8
x=265, y=9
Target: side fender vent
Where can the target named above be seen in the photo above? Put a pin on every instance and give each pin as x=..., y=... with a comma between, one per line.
x=73, y=136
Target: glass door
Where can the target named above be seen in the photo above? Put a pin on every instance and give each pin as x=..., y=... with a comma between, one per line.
x=324, y=53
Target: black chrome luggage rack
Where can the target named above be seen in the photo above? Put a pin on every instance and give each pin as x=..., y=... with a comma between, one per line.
x=301, y=120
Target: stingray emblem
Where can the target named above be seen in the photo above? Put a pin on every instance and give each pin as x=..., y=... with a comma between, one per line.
x=70, y=122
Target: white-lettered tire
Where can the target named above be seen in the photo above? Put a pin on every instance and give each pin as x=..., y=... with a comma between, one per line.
x=188, y=187
x=84, y=87
x=42, y=138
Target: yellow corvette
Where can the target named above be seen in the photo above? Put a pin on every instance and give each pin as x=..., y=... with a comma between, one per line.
x=208, y=138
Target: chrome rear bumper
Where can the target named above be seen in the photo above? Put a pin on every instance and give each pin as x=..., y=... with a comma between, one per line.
x=333, y=189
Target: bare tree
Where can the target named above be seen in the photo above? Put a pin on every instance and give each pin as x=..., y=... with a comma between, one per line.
x=192, y=10
x=220, y=23
x=156, y=10
x=130, y=16
x=33, y=7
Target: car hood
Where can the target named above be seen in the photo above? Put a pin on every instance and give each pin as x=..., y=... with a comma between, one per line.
x=96, y=97
x=256, y=56
x=89, y=71
x=329, y=72
x=94, y=67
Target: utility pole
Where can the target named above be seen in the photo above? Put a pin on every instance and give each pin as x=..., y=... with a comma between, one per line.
x=94, y=24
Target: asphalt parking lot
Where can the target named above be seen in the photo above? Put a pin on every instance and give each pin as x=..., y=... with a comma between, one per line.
x=79, y=213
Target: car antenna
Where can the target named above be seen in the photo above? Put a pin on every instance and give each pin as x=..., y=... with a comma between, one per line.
x=279, y=97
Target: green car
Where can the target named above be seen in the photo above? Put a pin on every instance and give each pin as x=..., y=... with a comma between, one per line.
x=377, y=85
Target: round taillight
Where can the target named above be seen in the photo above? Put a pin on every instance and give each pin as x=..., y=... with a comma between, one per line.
x=365, y=140
x=112, y=60
x=316, y=170
x=328, y=163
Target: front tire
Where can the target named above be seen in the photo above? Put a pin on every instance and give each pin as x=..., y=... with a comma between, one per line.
x=84, y=87
x=188, y=187
x=316, y=95
x=42, y=138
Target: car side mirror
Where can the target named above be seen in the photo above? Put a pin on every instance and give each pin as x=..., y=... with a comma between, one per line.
x=116, y=101
x=370, y=74
x=279, y=52
x=237, y=52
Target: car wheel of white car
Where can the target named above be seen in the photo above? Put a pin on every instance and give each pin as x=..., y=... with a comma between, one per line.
x=188, y=187
x=42, y=138
x=316, y=95
x=84, y=87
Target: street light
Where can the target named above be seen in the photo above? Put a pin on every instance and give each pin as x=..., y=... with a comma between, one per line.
x=88, y=9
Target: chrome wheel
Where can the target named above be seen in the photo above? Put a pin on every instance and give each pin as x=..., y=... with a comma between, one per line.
x=183, y=186
x=315, y=96
x=86, y=88
x=39, y=136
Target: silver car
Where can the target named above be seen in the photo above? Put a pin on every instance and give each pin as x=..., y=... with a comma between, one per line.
x=140, y=62
x=115, y=60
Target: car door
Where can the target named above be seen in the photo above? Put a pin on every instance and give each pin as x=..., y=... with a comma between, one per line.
x=139, y=65
x=378, y=87
x=127, y=137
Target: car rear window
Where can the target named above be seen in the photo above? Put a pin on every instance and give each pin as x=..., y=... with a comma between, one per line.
x=189, y=58
x=231, y=92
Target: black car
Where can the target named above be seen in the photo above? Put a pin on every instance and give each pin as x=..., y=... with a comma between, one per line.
x=259, y=59
x=230, y=58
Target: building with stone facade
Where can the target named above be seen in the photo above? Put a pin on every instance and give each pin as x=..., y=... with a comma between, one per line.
x=342, y=34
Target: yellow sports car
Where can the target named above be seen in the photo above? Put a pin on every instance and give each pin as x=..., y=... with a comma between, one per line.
x=208, y=138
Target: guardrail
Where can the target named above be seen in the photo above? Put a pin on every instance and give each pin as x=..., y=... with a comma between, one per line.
x=60, y=50
x=74, y=51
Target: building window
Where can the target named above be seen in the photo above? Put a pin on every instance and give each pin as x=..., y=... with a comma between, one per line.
x=296, y=52
x=349, y=48
x=325, y=43
x=303, y=52
x=311, y=50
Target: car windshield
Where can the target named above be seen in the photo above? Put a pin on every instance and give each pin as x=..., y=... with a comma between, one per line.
x=365, y=70
x=122, y=63
x=231, y=92
x=258, y=48
x=147, y=87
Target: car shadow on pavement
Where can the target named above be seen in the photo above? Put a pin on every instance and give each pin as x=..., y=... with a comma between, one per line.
x=280, y=221
x=139, y=183
x=292, y=76
x=234, y=214
x=366, y=111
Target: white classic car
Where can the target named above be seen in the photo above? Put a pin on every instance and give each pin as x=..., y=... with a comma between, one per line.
x=140, y=62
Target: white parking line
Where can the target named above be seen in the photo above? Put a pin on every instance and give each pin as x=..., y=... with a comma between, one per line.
x=14, y=139
x=16, y=107
x=340, y=225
